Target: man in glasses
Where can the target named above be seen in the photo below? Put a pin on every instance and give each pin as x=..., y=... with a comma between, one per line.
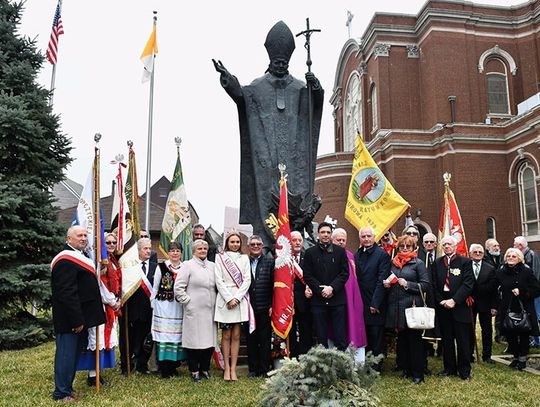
x=453, y=281
x=302, y=325
x=428, y=253
x=260, y=295
x=484, y=295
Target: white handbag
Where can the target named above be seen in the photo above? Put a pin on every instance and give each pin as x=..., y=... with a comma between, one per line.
x=420, y=317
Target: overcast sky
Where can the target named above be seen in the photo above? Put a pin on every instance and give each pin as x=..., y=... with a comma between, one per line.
x=98, y=79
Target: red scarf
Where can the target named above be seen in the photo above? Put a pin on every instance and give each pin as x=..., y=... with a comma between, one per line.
x=112, y=279
x=403, y=258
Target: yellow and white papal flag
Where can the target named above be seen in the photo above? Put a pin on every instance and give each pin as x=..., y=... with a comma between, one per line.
x=148, y=55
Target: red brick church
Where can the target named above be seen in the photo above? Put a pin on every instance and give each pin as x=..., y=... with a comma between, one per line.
x=455, y=88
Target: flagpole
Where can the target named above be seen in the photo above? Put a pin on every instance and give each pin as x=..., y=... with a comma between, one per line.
x=149, y=147
x=97, y=243
x=53, y=78
x=53, y=74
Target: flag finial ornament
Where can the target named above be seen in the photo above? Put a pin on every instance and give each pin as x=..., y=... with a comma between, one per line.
x=447, y=177
x=130, y=143
x=97, y=137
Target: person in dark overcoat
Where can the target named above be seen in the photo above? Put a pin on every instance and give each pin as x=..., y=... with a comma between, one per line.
x=76, y=306
x=302, y=326
x=484, y=295
x=372, y=267
x=261, y=291
x=326, y=271
x=453, y=281
x=517, y=282
x=407, y=285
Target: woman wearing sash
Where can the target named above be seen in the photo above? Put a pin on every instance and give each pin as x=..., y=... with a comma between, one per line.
x=233, y=277
x=168, y=313
x=110, y=287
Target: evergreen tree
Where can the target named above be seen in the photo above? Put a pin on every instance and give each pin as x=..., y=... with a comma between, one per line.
x=33, y=155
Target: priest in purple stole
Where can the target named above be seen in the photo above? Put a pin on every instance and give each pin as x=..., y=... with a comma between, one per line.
x=356, y=331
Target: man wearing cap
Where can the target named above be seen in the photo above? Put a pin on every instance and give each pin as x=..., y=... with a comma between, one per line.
x=275, y=129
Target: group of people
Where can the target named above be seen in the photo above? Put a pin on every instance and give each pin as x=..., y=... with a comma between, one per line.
x=343, y=299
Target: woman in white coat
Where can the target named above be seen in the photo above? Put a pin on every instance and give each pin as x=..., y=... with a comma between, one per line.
x=233, y=277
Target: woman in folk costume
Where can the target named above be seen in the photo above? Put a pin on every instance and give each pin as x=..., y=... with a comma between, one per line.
x=168, y=314
x=110, y=287
x=233, y=278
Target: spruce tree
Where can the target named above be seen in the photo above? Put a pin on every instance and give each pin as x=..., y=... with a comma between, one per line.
x=33, y=155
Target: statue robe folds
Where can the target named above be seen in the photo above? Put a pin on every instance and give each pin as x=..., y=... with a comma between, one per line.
x=274, y=128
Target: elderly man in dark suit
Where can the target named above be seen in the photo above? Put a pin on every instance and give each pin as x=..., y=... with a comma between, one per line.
x=484, y=295
x=302, y=325
x=76, y=306
x=326, y=271
x=260, y=296
x=372, y=267
x=453, y=281
x=139, y=311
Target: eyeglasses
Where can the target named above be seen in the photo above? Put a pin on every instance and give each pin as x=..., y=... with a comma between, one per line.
x=477, y=252
x=386, y=235
x=405, y=246
x=429, y=241
x=144, y=236
x=412, y=233
x=110, y=242
x=255, y=244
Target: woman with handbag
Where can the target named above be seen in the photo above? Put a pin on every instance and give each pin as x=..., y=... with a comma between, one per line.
x=407, y=283
x=518, y=288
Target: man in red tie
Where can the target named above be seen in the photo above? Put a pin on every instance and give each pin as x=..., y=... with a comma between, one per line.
x=453, y=281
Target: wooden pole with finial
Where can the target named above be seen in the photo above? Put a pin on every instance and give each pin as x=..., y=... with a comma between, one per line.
x=97, y=244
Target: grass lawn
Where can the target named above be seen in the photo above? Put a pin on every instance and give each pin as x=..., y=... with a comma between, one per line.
x=27, y=380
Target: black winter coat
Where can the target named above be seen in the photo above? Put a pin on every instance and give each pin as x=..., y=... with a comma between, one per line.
x=326, y=267
x=76, y=299
x=372, y=267
x=399, y=298
x=262, y=285
x=521, y=277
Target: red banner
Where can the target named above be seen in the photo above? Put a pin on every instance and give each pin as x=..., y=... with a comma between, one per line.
x=451, y=223
x=283, y=301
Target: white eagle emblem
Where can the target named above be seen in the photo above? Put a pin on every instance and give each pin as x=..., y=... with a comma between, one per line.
x=283, y=252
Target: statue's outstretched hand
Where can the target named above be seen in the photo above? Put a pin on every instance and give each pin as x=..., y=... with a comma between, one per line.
x=220, y=67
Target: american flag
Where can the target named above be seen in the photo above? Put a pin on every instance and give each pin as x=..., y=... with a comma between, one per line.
x=57, y=30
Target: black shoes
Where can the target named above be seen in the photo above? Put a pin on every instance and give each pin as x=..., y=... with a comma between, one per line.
x=204, y=376
x=445, y=373
x=417, y=380
x=521, y=365
x=466, y=378
x=91, y=381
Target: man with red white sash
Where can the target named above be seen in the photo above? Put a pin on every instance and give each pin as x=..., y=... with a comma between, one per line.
x=76, y=306
x=136, y=290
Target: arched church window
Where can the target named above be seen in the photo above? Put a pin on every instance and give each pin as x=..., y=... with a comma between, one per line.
x=374, y=109
x=352, y=115
x=528, y=199
x=497, y=87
